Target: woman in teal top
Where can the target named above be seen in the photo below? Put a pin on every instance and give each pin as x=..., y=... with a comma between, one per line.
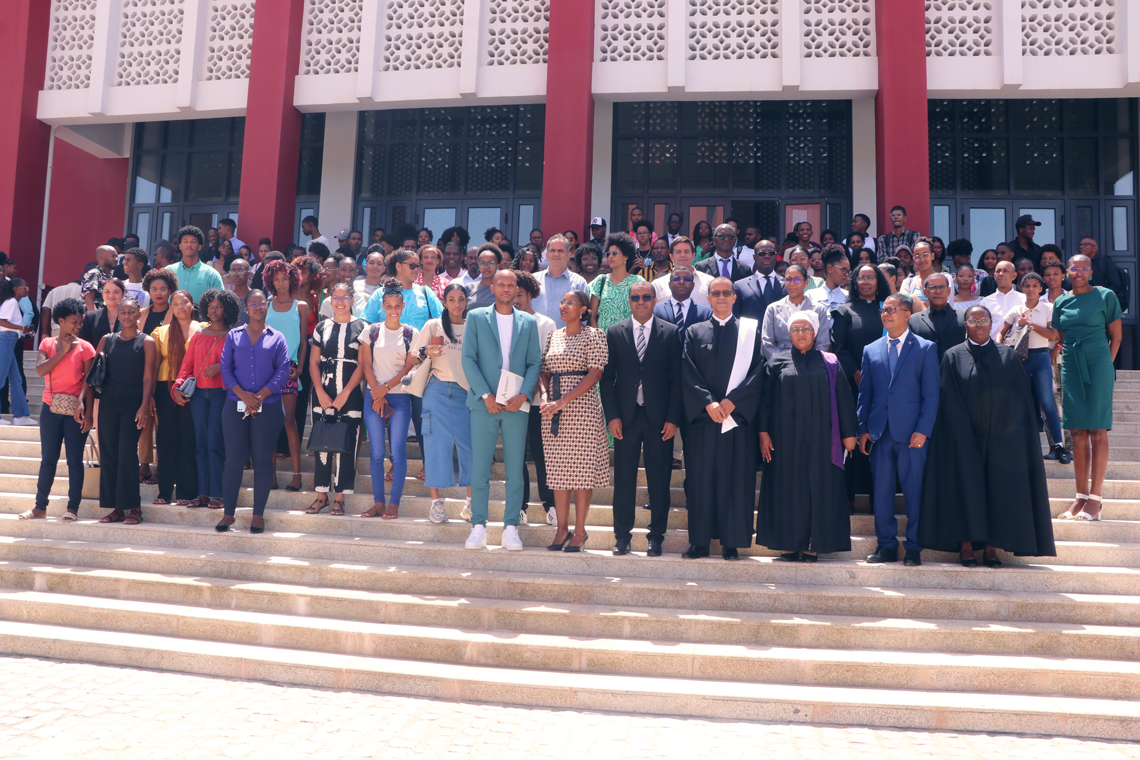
x=1088, y=319
x=609, y=293
x=289, y=316
x=420, y=304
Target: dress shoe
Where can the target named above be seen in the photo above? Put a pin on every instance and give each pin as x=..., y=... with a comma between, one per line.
x=810, y=557
x=695, y=552
x=995, y=562
x=968, y=561
x=621, y=547
x=913, y=558
x=883, y=554
x=728, y=552
x=654, y=548
x=791, y=557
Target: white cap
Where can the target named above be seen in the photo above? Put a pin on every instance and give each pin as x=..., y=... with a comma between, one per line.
x=805, y=316
x=597, y=221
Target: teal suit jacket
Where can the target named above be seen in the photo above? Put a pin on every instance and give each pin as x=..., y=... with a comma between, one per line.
x=483, y=354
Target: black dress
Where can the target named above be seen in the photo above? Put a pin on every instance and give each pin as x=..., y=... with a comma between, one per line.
x=854, y=326
x=803, y=504
x=154, y=319
x=118, y=434
x=985, y=480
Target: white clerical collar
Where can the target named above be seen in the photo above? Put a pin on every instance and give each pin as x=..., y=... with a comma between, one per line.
x=972, y=343
x=722, y=322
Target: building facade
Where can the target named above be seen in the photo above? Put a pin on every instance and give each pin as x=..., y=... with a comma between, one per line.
x=143, y=115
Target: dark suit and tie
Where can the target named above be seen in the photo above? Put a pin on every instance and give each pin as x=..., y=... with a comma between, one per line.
x=718, y=267
x=689, y=314
x=641, y=387
x=755, y=292
x=898, y=396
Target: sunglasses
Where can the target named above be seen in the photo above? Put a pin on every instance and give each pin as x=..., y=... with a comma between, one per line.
x=721, y=294
x=413, y=266
x=689, y=280
x=642, y=298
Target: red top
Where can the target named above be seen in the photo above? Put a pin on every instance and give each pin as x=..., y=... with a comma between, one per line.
x=203, y=351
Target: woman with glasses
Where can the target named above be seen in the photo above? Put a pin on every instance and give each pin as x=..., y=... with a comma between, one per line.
x=588, y=259
x=609, y=294
x=479, y=293
x=774, y=335
x=1088, y=320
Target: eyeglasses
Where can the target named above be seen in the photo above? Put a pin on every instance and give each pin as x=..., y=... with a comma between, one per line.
x=922, y=255
x=794, y=280
x=800, y=330
x=488, y=264
x=866, y=278
x=688, y=280
x=890, y=309
x=340, y=299
x=844, y=270
x=1081, y=270
x=1085, y=245
x=256, y=305
x=722, y=236
x=720, y=294
x=983, y=322
x=895, y=214
x=645, y=297
x=936, y=288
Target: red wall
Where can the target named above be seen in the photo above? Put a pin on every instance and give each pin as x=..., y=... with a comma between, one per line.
x=88, y=205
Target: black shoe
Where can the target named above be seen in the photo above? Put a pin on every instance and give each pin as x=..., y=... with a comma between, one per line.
x=913, y=558
x=810, y=557
x=1063, y=456
x=570, y=548
x=621, y=547
x=791, y=557
x=695, y=552
x=727, y=552
x=883, y=554
x=1051, y=456
x=654, y=548
x=995, y=562
x=968, y=561
x=557, y=547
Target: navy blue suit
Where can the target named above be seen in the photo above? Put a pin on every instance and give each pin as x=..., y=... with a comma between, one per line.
x=751, y=300
x=891, y=409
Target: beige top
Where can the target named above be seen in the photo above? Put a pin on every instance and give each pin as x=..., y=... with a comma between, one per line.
x=1040, y=315
x=449, y=368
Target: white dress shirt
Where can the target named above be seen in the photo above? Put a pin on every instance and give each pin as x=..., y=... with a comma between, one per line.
x=999, y=305
x=833, y=298
x=700, y=292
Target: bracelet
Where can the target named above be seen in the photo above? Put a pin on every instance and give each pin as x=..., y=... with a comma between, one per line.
x=423, y=354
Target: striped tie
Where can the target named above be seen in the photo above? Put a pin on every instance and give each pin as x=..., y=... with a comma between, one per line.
x=640, y=342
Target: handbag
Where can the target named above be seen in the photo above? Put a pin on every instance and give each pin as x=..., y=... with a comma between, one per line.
x=190, y=384
x=63, y=404
x=1019, y=341
x=97, y=374
x=330, y=436
x=416, y=382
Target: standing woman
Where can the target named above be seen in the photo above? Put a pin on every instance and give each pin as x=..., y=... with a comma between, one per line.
x=609, y=294
x=1088, y=320
x=479, y=293
x=104, y=321
x=123, y=411
x=336, y=376
x=987, y=262
x=203, y=362
x=806, y=420
x=1054, y=274
x=965, y=295
x=13, y=330
x=66, y=416
x=289, y=316
x=702, y=239
x=774, y=329
x=174, y=426
x=447, y=420
x=432, y=274
x=386, y=356
x=573, y=425
x=589, y=260
x=255, y=367
x=159, y=284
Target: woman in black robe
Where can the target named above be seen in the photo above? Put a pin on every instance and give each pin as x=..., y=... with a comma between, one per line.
x=854, y=326
x=806, y=420
x=985, y=480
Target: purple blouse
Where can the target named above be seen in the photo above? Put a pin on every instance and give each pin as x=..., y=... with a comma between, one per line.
x=255, y=366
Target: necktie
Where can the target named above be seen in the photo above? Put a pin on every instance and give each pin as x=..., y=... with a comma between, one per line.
x=640, y=342
x=724, y=268
x=893, y=356
x=767, y=288
x=680, y=314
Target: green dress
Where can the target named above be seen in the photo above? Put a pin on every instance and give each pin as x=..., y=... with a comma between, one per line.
x=613, y=299
x=1087, y=374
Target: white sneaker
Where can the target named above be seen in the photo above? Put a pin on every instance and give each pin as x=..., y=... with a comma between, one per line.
x=437, y=514
x=511, y=540
x=24, y=421
x=551, y=518
x=522, y=516
x=478, y=538
x=5, y=422
x=465, y=513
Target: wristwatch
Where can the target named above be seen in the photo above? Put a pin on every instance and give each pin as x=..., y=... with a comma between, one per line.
x=485, y=396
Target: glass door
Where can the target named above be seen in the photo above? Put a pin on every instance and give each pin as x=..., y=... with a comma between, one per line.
x=803, y=211
x=987, y=224
x=1052, y=217
x=1119, y=241
x=437, y=216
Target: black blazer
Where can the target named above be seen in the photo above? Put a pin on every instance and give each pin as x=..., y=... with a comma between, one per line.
x=659, y=374
x=696, y=313
x=750, y=301
x=952, y=333
x=95, y=326
x=711, y=265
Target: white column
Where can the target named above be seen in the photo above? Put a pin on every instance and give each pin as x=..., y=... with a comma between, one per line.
x=337, y=171
x=1011, y=43
x=601, y=191
x=791, y=42
x=863, y=187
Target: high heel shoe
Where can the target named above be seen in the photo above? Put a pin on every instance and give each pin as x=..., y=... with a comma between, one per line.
x=585, y=538
x=558, y=547
x=223, y=526
x=970, y=561
x=791, y=557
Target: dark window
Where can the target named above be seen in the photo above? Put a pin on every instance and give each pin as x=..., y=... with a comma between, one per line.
x=312, y=156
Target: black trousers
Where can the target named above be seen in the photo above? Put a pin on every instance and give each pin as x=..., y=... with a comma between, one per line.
x=119, y=453
x=534, y=444
x=177, y=452
x=640, y=434
x=249, y=439
x=58, y=430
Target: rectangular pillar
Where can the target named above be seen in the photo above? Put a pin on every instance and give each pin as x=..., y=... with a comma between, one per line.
x=272, y=144
x=338, y=165
x=902, y=152
x=569, y=138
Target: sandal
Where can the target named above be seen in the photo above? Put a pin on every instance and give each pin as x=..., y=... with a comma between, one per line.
x=134, y=517
x=1086, y=516
x=317, y=505
x=338, y=508
x=215, y=503
x=1068, y=514
x=392, y=513
x=70, y=516
x=151, y=481
x=115, y=516
x=200, y=503
x=186, y=503
x=160, y=502
x=31, y=514
x=376, y=511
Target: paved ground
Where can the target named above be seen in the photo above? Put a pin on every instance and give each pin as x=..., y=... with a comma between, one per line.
x=59, y=710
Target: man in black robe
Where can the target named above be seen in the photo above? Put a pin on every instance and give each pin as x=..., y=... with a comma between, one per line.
x=723, y=457
x=993, y=492
x=940, y=323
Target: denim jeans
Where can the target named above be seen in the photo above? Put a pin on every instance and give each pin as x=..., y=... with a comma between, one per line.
x=447, y=429
x=10, y=373
x=1039, y=370
x=60, y=430
x=397, y=424
x=206, y=405
x=254, y=439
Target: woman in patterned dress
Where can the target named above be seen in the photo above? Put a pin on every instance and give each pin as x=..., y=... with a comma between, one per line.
x=337, y=374
x=573, y=426
x=609, y=293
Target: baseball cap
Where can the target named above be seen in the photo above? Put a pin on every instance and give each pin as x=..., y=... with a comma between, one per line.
x=343, y=234
x=597, y=221
x=1025, y=220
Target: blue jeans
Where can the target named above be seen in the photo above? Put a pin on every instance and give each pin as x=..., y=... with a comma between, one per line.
x=10, y=373
x=397, y=424
x=1039, y=371
x=206, y=405
x=447, y=429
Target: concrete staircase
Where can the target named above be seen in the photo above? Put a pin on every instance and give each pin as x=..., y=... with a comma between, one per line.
x=1046, y=646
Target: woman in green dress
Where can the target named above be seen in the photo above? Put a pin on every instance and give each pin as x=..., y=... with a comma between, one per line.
x=1088, y=319
x=609, y=293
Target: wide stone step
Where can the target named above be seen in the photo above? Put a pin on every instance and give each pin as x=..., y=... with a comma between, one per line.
x=941, y=709
x=575, y=619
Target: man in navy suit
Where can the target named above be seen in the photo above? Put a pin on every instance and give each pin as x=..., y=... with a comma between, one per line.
x=755, y=292
x=723, y=263
x=898, y=402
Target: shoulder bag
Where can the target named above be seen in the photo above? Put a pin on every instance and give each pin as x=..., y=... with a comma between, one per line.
x=97, y=374
x=190, y=384
x=1017, y=338
x=63, y=404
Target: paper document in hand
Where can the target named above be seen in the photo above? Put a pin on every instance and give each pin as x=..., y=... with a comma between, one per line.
x=510, y=385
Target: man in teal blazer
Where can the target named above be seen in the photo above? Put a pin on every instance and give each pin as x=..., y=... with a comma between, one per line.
x=493, y=337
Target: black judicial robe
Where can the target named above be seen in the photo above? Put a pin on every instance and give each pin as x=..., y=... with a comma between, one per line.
x=945, y=328
x=803, y=496
x=723, y=465
x=993, y=490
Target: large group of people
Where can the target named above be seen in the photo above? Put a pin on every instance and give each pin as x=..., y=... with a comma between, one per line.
x=846, y=366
